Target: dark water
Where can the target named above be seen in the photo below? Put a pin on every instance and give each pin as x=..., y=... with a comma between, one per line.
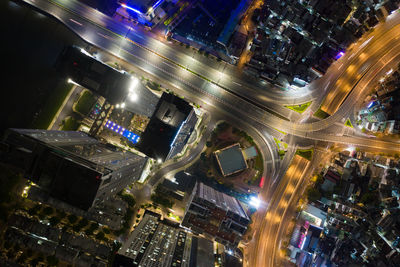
x=30, y=44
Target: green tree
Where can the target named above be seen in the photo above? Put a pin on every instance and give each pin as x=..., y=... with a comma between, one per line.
x=89, y=232
x=11, y=253
x=48, y=211
x=29, y=252
x=72, y=218
x=83, y=222
x=54, y=220
x=35, y=261
x=94, y=226
x=129, y=199
x=52, y=260
x=34, y=210
x=313, y=194
x=320, y=179
x=22, y=258
x=41, y=216
x=370, y=198
x=100, y=235
x=159, y=199
x=61, y=214
x=7, y=244
x=77, y=228
x=17, y=247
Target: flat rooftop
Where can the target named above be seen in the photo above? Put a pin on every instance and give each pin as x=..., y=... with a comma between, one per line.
x=221, y=200
x=83, y=69
x=159, y=136
x=230, y=159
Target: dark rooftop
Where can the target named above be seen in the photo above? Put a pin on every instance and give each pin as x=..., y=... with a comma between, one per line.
x=77, y=65
x=157, y=139
x=230, y=159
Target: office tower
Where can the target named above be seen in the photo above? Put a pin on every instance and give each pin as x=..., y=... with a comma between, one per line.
x=216, y=214
x=169, y=128
x=118, y=87
x=161, y=243
x=71, y=166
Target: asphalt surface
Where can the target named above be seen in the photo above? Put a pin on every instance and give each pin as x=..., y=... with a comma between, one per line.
x=256, y=106
x=170, y=65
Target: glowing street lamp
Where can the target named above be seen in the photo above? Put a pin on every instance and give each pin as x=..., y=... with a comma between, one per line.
x=254, y=202
x=133, y=97
x=133, y=84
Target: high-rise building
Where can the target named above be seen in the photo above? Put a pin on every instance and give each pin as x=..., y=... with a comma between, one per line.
x=216, y=215
x=169, y=128
x=160, y=243
x=71, y=166
x=80, y=67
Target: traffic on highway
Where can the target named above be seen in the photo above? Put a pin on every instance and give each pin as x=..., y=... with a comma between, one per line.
x=254, y=105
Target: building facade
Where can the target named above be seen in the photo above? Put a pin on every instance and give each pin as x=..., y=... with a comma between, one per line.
x=157, y=243
x=71, y=166
x=169, y=128
x=216, y=215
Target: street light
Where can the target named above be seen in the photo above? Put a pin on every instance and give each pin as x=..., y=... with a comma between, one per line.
x=133, y=84
x=254, y=202
x=133, y=97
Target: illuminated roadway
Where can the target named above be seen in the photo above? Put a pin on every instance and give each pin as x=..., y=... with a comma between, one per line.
x=258, y=105
x=167, y=68
x=264, y=240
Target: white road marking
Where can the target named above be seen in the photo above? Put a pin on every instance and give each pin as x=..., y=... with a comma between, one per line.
x=74, y=21
x=105, y=36
x=237, y=83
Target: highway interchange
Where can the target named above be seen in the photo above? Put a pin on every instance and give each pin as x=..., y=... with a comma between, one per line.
x=252, y=104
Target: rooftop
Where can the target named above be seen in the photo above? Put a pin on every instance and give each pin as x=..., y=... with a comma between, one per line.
x=220, y=199
x=230, y=159
x=168, y=119
x=82, y=68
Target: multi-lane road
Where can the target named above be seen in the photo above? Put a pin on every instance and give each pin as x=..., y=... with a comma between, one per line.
x=257, y=106
x=263, y=246
x=224, y=87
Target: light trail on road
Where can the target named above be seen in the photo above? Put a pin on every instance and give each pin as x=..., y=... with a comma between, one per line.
x=250, y=101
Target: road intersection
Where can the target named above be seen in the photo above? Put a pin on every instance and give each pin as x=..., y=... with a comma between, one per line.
x=257, y=107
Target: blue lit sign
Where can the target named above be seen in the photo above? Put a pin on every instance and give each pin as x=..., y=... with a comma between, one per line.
x=134, y=138
x=339, y=55
x=140, y=12
x=177, y=133
x=157, y=4
x=131, y=8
